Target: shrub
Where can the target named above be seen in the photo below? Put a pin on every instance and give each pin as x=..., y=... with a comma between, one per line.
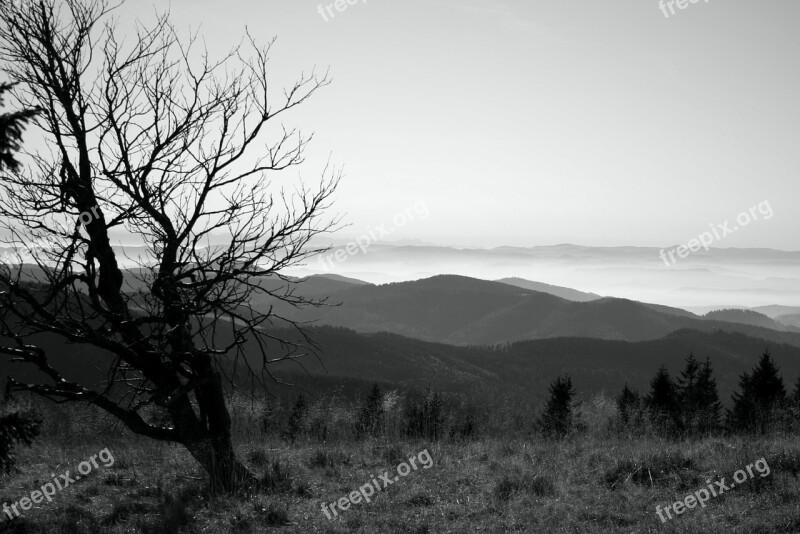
x=258, y=458
x=465, y=429
x=276, y=479
x=16, y=427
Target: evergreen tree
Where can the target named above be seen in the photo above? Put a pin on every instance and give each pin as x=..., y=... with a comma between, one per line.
x=794, y=406
x=796, y=394
x=710, y=409
x=699, y=400
x=425, y=418
x=687, y=382
x=296, y=419
x=768, y=383
x=663, y=402
x=11, y=128
x=370, y=419
x=16, y=426
x=629, y=405
x=742, y=416
x=761, y=399
x=434, y=415
x=688, y=393
x=557, y=419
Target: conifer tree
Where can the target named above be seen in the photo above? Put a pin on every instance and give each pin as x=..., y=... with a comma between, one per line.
x=794, y=406
x=296, y=419
x=629, y=405
x=688, y=393
x=426, y=418
x=760, y=402
x=16, y=426
x=663, y=402
x=699, y=400
x=710, y=408
x=796, y=393
x=557, y=419
x=12, y=125
x=371, y=416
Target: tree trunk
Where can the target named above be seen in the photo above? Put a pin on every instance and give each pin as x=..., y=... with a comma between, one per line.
x=208, y=438
x=226, y=473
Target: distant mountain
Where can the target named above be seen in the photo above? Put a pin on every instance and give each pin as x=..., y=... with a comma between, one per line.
x=519, y=372
x=136, y=279
x=722, y=278
x=320, y=288
x=579, y=296
x=792, y=319
x=340, y=278
x=749, y=317
x=775, y=311
x=563, y=292
x=524, y=370
x=466, y=311
x=669, y=310
x=324, y=285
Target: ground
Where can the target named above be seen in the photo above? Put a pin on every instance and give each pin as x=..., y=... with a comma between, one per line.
x=584, y=484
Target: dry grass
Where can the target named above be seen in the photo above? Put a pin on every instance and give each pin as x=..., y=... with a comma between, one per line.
x=595, y=483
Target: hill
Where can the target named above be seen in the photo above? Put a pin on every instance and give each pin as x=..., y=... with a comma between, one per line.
x=466, y=311
x=520, y=371
x=558, y=291
x=749, y=317
x=524, y=370
x=790, y=319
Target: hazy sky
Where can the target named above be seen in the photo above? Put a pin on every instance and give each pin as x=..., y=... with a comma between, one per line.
x=530, y=123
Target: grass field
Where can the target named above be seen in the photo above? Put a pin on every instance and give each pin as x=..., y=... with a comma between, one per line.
x=590, y=483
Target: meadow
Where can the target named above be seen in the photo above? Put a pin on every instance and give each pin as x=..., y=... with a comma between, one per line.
x=596, y=480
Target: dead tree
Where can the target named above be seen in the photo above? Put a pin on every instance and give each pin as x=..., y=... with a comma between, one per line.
x=157, y=139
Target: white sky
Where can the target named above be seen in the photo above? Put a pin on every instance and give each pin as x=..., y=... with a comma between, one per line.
x=524, y=122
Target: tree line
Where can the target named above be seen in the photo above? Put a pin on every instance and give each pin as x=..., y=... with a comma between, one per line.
x=689, y=404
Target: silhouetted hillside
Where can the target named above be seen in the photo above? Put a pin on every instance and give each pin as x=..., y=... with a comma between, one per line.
x=523, y=370
x=774, y=311
x=466, y=311
x=749, y=317
x=791, y=319
x=563, y=292
x=519, y=370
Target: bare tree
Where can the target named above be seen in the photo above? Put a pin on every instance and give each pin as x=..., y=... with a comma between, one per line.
x=157, y=139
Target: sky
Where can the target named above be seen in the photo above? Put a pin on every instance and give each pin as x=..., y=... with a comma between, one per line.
x=527, y=123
